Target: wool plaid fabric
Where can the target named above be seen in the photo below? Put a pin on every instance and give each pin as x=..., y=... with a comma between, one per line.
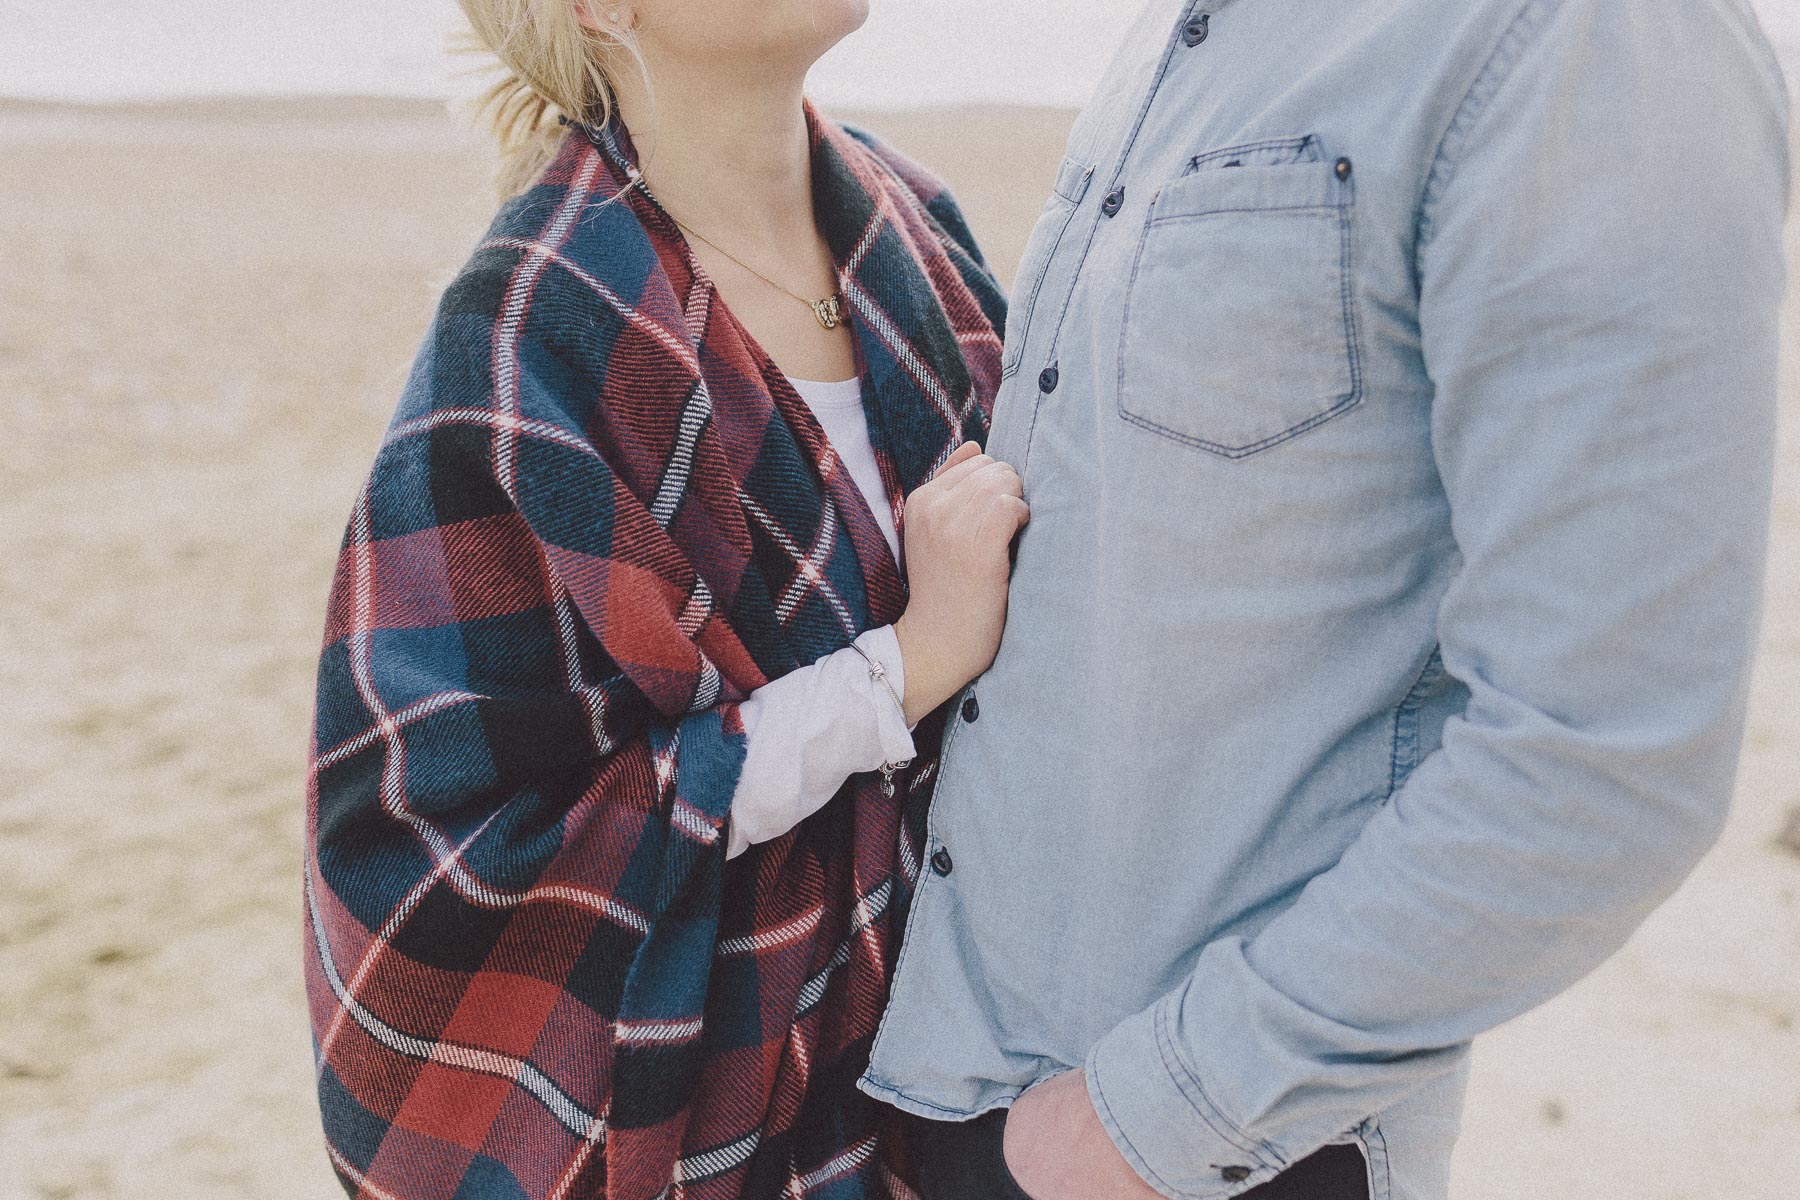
x=601, y=518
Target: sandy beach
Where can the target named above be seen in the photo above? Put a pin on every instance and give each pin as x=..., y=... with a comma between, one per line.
x=206, y=312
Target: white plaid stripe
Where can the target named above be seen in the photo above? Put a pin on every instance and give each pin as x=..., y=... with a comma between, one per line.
x=909, y=861
x=868, y=910
x=876, y=318
x=664, y=760
x=694, y=823
x=696, y=411
x=512, y=317
x=393, y=767
x=678, y=471
x=709, y=687
x=812, y=565
x=709, y=683
x=899, y=188
x=698, y=609
x=379, y=942
x=983, y=337
x=415, y=711
x=593, y=697
x=708, y=1164
x=657, y=1033
x=840, y=1166
x=767, y=939
x=810, y=573
x=492, y=420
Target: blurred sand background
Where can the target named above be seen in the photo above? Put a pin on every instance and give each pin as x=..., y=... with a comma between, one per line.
x=206, y=312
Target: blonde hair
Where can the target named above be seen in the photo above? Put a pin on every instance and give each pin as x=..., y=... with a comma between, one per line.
x=552, y=67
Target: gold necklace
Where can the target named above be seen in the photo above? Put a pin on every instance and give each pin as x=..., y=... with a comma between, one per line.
x=829, y=311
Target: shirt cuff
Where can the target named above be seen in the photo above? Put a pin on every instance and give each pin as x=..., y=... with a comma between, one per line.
x=883, y=645
x=813, y=728
x=1159, y=1117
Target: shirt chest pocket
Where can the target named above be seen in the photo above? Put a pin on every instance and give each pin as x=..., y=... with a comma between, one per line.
x=1239, y=325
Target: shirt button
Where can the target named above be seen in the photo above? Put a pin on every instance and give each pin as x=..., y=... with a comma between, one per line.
x=1230, y=1174
x=1195, y=31
x=1047, y=380
x=940, y=862
x=1113, y=202
x=1342, y=168
x=971, y=709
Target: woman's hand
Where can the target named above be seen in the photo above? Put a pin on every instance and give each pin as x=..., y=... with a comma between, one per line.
x=958, y=530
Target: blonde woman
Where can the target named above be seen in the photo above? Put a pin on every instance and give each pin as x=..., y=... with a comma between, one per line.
x=637, y=663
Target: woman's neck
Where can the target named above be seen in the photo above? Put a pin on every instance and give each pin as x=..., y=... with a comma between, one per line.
x=725, y=153
x=728, y=154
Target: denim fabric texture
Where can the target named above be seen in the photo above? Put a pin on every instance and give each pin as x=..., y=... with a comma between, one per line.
x=1393, y=383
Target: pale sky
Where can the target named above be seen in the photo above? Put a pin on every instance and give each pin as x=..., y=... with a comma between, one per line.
x=912, y=53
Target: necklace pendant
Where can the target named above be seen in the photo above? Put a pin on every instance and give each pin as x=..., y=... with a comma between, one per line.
x=830, y=311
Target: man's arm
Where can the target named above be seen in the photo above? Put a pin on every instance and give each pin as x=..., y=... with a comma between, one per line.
x=1600, y=273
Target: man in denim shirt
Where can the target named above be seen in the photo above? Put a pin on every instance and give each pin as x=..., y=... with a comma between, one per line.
x=1393, y=383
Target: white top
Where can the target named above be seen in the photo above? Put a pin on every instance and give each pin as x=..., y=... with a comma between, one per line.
x=813, y=728
x=839, y=408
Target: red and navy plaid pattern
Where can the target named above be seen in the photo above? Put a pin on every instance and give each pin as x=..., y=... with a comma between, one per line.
x=600, y=519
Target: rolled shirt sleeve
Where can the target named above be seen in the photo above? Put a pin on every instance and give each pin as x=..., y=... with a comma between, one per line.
x=1600, y=273
x=812, y=729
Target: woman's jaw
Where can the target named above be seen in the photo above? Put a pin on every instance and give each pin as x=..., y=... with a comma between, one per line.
x=734, y=41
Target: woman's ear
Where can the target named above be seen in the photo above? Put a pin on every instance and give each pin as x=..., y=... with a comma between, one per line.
x=601, y=16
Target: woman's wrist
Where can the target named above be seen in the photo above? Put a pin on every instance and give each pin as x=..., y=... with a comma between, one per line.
x=927, y=682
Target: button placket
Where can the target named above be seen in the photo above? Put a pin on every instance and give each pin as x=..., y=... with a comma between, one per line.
x=1115, y=200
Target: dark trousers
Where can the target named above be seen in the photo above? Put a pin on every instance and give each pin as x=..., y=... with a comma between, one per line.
x=962, y=1160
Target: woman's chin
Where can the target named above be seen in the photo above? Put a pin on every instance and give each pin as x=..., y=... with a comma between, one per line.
x=822, y=24
x=856, y=12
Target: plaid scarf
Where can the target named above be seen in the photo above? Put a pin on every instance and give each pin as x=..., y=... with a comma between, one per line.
x=600, y=519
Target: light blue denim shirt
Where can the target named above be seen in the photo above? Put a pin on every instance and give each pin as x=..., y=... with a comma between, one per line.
x=1393, y=383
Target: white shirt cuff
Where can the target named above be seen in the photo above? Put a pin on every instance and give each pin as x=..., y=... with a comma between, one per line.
x=812, y=729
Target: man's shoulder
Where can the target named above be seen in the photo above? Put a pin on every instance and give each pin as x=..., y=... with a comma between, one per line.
x=1651, y=47
x=1622, y=25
